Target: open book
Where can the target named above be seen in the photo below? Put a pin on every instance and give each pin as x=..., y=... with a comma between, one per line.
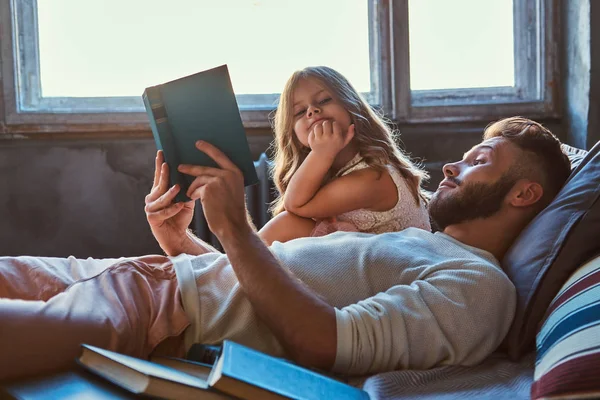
x=239, y=372
x=162, y=377
x=201, y=106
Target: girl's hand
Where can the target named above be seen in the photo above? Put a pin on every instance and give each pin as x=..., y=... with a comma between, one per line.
x=328, y=139
x=168, y=221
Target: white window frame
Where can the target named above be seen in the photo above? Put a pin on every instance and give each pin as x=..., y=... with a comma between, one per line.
x=535, y=64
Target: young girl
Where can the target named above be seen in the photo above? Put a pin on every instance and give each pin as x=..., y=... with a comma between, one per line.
x=336, y=165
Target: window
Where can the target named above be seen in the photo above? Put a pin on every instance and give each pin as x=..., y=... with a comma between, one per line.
x=87, y=62
x=470, y=58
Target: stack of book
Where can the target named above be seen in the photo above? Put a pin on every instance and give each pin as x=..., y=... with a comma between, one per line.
x=238, y=373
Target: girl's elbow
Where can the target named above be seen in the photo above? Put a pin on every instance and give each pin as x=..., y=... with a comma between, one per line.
x=301, y=212
x=287, y=203
x=291, y=207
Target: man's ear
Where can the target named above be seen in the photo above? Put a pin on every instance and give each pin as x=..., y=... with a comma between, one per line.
x=525, y=193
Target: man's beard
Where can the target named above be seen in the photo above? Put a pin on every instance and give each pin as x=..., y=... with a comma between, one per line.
x=474, y=201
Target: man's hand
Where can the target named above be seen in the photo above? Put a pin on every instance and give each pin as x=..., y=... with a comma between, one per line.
x=327, y=138
x=168, y=221
x=221, y=191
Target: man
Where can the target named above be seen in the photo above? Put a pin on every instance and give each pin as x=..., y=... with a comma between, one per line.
x=350, y=302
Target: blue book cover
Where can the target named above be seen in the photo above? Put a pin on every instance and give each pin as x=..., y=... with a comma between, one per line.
x=250, y=374
x=201, y=106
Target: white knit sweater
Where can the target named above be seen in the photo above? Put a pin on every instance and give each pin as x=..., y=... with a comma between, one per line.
x=409, y=299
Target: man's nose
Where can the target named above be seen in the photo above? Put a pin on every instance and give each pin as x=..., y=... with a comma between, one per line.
x=450, y=170
x=312, y=110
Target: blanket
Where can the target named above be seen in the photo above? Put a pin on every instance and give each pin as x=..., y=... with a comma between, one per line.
x=496, y=378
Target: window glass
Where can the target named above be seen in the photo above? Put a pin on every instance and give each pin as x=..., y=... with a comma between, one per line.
x=461, y=44
x=117, y=48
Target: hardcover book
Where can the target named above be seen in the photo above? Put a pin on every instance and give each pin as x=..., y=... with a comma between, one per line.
x=201, y=106
x=239, y=372
x=162, y=380
x=249, y=374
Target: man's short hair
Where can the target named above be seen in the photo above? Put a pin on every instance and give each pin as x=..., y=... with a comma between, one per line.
x=543, y=160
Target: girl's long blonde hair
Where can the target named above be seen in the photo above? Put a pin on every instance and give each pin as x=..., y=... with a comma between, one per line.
x=375, y=139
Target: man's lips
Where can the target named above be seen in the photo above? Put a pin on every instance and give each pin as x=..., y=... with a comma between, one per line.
x=447, y=183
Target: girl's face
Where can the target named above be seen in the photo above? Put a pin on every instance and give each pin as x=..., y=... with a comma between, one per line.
x=312, y=104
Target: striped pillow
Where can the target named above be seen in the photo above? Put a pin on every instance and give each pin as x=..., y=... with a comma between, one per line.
x=575, y=154
x=568, y=343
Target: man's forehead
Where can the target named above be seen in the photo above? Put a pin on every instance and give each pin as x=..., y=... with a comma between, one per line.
x=494, y=145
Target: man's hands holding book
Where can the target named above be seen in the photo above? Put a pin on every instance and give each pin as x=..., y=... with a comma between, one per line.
x=221, y=191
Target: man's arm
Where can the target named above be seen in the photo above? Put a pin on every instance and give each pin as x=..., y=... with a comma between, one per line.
x=303, y=323
x=195, y=246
